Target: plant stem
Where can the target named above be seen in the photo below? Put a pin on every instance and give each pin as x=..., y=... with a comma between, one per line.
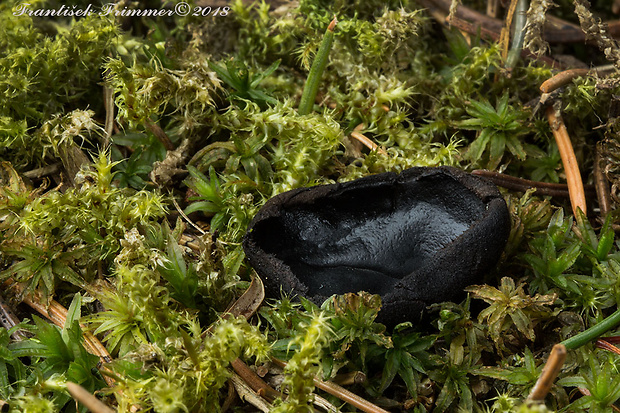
x=519, y=184
x=89, y=401
x=367, y=142
x=316, y=71
x=254, y=381
x=341, y=393
x=601, y=184
x=569, y=160
x=549, y=373
x=593, y=332
x=562, y=78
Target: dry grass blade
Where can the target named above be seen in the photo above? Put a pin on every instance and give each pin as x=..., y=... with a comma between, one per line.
x=186, y=218
x=108, y=103
x=567, y=153
x=246, y=393
x=605, y=345
x=82, y=395
x=504, y=38
x=549, y=373
x=247, y=304
x=368, y=143
x=250, y=300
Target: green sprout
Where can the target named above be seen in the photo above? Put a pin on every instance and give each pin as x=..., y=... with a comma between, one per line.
x=237, y=75
x=499, y=129
x=316, y=71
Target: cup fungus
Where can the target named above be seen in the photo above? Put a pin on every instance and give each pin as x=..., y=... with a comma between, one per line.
x=414, y=238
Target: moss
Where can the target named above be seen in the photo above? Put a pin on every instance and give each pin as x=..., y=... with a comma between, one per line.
x=425, y=95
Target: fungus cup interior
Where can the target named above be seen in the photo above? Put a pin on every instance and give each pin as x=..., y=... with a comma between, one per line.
x=368, y=237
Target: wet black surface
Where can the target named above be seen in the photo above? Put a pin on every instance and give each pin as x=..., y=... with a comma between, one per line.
x=414, y=238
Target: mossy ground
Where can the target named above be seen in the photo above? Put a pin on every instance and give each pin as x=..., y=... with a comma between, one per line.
x=112, y=126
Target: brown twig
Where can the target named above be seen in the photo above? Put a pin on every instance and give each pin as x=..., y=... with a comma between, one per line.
x=601, y=184
x=562, y=79
x=254, y=381
x=57, y=314
x=523, y=185
x=549, y=373
x=83, y=396
x=160, y=134
x=556, y=30
x=230, y=397
x=569, y=160
x=341, y=393
x=472, y=28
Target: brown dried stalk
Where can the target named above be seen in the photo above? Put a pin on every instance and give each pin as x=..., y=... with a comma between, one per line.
x=549, y=373
x=504, y=37
x=605, y=345
x=560, y=31
x=254, y=381
x=83, y=396
x=523, y=185
x=342, y=393
x=367, y=142
x=562, y=79
x=160, y=134
x=602, y=185
x=567, y=153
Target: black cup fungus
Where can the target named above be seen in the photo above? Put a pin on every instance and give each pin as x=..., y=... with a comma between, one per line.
x=415, y=238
